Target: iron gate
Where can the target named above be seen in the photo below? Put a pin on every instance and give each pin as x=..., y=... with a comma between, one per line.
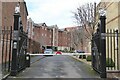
x=105, y=49
x=19, y=46
x=95, y=52
x=99, y=48
x=22, y=50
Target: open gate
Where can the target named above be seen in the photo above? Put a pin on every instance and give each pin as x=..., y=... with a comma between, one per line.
x=99, y=48
x=19, y=46
x=105, y=49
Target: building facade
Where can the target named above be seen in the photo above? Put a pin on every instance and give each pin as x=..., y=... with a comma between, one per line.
x=63, y=40
x=30, y=28
x=8, y=10
x=49, y=36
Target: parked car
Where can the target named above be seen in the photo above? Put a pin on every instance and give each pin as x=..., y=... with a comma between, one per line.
x=58, y=52
x=80, y=51
x=48, y=51
x=81, y=56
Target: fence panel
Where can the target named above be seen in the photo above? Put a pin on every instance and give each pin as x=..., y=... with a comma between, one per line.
x=112, y=52
x=95, y=52
x=6, y=49
x=22, y=50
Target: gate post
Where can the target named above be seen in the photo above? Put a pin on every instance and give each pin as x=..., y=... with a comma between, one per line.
x=14, y=66
x=102, y=44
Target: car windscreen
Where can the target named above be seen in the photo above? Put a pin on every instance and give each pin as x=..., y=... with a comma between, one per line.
x=48, y=50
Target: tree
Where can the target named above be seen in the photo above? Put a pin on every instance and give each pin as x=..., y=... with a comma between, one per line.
x=76, y=37
x=85, y=18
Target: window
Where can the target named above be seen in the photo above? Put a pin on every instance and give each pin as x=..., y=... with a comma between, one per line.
x=42, y=34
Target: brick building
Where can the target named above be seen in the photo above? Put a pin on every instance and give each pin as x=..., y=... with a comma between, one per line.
x=8, y=9
x=49, y=36
x=33, y=44
x=64, y=40
x=46, y=35
x=30, y=28
x=70, y=31
x=54, y=36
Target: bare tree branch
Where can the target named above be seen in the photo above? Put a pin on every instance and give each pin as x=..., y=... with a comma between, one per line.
x=85, y=17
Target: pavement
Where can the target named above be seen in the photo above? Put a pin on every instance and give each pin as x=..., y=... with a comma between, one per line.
x=0, y=71
x=36, y=58
x=57, y=67
x=109, y=75
x=82, y=60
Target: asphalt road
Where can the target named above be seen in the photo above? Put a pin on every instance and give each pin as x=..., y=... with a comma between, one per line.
x=58, y=67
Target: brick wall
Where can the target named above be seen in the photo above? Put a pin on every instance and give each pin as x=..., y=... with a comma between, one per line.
x=49, y=37
x=30, y=28
x=8, y=12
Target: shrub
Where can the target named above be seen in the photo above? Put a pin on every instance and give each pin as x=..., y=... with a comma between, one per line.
x=109, y=62
x=65, y=50
x=82, y=56
x=89, y=58
x=71, y=51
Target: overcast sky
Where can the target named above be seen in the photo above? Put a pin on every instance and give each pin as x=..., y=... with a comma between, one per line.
x=54, y=11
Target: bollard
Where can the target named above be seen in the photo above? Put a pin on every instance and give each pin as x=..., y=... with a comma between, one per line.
x=27, y=60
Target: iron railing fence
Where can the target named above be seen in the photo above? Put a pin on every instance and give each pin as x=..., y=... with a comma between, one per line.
x=6, y=50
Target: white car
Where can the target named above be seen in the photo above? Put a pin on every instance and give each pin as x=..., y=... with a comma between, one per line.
x=48, y=51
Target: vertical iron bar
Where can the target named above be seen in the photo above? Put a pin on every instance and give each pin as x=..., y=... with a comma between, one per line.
x=108, y=45
x=111, y=46
x=6, y=49
x=92, y=52
x=10, y=49
x=3, y=32
x=114, y=47
x=117, y=51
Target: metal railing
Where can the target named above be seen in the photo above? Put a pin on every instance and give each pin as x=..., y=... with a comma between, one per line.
x=112, y=50
x=6, y=47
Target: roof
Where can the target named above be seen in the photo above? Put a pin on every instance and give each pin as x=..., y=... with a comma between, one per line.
x=53, y=26
x=49, y=28
x=71, y=28
x=26, y=8
x=61, y=30
x=39, y=24
x=42, y=24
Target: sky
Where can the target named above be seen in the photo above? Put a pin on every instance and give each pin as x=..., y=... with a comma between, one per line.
x=54, y=12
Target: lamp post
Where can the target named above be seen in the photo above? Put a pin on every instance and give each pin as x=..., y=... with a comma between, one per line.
x=102, y=30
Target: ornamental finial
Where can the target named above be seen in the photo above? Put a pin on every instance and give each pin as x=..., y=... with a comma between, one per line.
x=102, y=12
x=17, y=8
